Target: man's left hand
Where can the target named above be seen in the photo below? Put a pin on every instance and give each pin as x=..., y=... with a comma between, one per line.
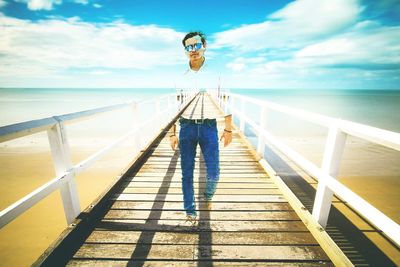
x=227, y=136
x=173, y=141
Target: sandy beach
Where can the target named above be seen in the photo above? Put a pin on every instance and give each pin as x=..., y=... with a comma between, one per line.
x=37, y=228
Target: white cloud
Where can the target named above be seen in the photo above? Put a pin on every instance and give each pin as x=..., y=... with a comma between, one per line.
x=313, y=41
x=318, y=16
x=366, y=56
x=58, y=46
x=40, y=4
x=236, y=66
x=295, y=25
x=240, y=63
x=375, y=48
x=48, y=4
x=83, y=2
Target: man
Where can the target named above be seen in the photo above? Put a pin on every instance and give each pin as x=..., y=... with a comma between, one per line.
x=198, y=128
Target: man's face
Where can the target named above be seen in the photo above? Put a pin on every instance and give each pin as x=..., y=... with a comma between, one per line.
x=195, y=54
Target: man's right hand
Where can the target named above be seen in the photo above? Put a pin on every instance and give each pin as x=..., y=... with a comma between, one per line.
x=173, y=141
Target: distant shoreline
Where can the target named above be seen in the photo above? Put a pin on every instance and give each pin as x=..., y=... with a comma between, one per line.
x=171, y=88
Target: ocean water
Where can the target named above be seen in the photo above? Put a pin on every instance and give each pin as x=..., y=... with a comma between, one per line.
x=378, y=108
x=24, y=104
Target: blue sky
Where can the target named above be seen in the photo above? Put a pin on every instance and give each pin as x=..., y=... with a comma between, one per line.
x=277, y=44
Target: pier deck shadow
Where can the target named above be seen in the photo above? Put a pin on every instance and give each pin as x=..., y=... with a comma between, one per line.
x=352, y=240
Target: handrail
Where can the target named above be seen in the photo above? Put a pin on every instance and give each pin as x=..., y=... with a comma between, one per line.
x=17, y=130
x=376, y=135
x=65, y=171
x=327, y=173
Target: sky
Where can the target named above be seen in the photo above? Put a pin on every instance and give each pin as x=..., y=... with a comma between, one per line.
x=271, y=44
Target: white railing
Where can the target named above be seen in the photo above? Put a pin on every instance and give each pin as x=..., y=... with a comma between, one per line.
x=60, y=150
x=328, y=172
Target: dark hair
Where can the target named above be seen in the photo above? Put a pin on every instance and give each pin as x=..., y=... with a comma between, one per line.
x=191, y=34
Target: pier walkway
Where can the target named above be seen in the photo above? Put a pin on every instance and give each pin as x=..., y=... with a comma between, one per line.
x=140, y=220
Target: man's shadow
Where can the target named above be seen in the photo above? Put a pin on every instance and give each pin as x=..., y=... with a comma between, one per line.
x=143, y=246
x=205, y=234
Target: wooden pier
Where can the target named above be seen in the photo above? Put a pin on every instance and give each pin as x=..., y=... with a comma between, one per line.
x=139, y=220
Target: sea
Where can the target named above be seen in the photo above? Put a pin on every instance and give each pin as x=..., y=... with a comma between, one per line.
x=378, y=108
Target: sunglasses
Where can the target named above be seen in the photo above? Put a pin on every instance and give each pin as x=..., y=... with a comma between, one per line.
x=193, y=47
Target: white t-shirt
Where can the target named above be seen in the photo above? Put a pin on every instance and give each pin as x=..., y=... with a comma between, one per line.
x=199, y=80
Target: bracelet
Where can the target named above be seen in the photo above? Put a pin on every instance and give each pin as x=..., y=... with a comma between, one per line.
x=171, y=135
x=225, y=130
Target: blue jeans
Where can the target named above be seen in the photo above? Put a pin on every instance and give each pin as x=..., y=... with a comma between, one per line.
x=206, y=135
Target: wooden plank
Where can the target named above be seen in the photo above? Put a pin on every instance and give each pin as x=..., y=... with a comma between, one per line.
x=218, y=238
x=178, y=179
x=163, y=263
x=181, y=225
x=231, y=167
x=215, y=252
x=133, y=237
x=228, y=159
x=162, y=160
x=225, y=153
x=178, y=184
x=123, y=251
x=249, y=252
x=243, y=177
x=211, y=215
x=249, y=164
x=200, y=181
x=220, y=191
x=217, y=206
x=169, y=197
x=234, y=146
x=165, y=167
x=196, y=170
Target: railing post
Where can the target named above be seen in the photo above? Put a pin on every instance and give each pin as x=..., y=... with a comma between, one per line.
x=219, y=97
x=243, y=111
x=225, y=103
x=330, y=165
x=158, y=113
x=261, y=141
x=169, y=112
x=232, y=107
x=62, y=162
x=181, y=101
x=135, y=123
